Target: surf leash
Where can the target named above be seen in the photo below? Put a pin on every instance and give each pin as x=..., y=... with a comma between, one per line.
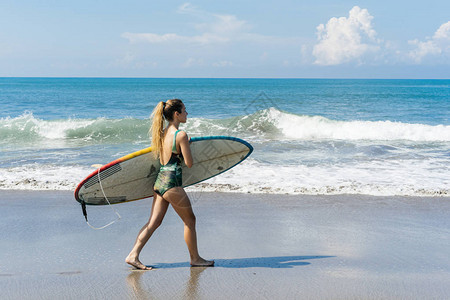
x=83, y=207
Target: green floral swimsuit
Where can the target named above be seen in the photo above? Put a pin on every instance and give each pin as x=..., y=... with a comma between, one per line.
x=169, y=175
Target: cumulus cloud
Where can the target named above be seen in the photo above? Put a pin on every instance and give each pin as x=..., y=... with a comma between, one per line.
x=345, y=39
x=443, y=32
x=438, y=44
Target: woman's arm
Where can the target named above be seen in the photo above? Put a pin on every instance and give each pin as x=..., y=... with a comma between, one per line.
x=183, y=140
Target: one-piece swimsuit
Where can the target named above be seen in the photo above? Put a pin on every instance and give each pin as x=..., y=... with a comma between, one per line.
x=169, y=175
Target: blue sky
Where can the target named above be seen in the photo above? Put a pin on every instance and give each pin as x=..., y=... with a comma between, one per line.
x=274, y=39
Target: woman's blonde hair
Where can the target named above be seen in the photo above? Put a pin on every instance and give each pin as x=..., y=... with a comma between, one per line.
x=163, y=111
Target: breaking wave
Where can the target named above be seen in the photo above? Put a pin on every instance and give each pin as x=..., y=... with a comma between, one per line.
x=268, y=124
x=294, y=154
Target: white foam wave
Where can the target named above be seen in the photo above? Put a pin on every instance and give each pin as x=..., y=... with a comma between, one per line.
x=27, y=128
x=52, y=131
x=317, y=127
x=42, y=177
x=269, y=124
x=272, y=124
x=379, y=178
x=28, y=124
x=376, y=178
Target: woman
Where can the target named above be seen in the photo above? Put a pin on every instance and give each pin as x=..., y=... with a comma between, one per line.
x=171, y=145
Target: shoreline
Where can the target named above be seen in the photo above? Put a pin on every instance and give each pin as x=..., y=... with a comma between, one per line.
x=265, y=246
x=229, y=189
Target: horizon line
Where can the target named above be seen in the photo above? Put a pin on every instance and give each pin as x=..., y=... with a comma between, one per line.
x=135, y=77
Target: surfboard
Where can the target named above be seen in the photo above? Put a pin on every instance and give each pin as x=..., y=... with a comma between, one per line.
x=132, y=176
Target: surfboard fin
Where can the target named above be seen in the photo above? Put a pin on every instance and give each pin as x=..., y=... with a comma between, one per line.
x=83, y=208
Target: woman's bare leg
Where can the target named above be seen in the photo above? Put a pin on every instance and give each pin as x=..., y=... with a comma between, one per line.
x=182, y=206
x=159, y=209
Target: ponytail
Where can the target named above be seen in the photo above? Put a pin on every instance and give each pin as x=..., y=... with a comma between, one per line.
x=163, y=111
x=156, y=130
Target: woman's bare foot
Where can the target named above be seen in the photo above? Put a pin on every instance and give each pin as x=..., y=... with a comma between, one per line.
x=202, y=263
x=137, y=264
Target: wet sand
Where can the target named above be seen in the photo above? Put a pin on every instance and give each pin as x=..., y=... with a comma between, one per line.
x=265, y=247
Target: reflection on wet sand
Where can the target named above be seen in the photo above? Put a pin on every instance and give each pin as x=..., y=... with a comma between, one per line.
x=142, y=291
x=191, y=289
x=134, y=282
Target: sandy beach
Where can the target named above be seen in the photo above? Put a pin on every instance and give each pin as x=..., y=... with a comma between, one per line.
x=265, y=247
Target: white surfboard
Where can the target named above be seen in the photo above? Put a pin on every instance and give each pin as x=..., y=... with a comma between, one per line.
x=132, y=177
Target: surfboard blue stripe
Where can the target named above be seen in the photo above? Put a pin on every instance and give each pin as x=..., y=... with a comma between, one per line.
x=224, y=137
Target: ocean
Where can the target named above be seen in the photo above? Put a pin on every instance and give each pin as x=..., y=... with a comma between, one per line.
x=311, y=136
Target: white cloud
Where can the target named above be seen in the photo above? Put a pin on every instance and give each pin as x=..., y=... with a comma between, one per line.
x=438, y=44
x=443, y=32
x=218, y=41
x=423, y=49
x=345, y=39
x=220, y=29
